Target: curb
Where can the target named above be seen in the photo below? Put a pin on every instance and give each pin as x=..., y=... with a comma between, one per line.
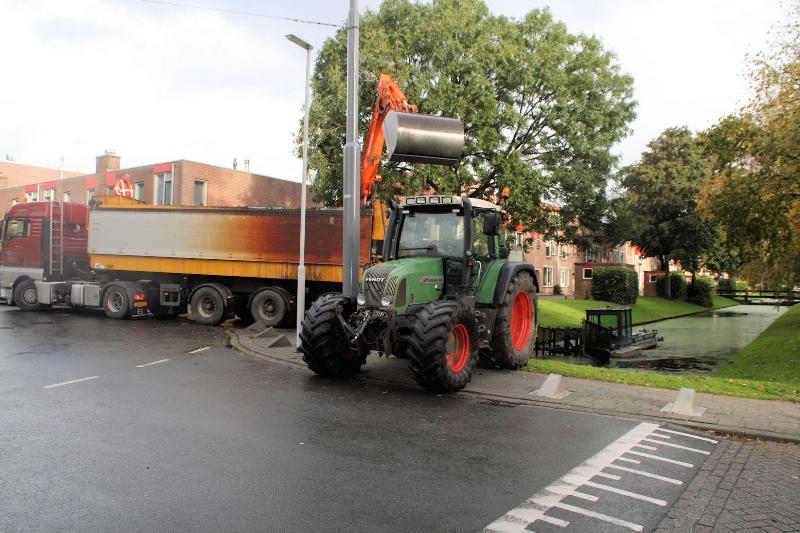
x=693, y=424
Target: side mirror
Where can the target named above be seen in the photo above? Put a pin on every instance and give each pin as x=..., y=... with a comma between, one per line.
x=491, y=223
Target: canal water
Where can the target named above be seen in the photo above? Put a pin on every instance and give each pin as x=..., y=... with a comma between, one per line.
x=701, y=343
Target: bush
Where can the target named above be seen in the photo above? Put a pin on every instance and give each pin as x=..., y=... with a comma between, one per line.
x=677, y=286
x=557, y=290
x=700, y=292
x=618, y=285
x=725, y=284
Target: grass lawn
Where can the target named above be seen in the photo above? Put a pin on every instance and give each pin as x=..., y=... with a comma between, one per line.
x=773, y=355
x=568, y=313
x=761, y=389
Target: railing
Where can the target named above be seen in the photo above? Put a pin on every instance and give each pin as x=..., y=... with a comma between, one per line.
x=561, y=341
x=748, y=295
x=596, y=337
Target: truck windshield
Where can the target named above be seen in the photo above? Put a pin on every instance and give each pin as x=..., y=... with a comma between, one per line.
x=431, y=234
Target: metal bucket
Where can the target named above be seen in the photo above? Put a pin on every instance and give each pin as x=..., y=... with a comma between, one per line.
x=423, y=138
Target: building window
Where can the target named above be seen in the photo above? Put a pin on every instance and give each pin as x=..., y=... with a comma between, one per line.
x=138, y=190
x=31, y=196
x=109, y=191
x=200, y=192
x=519, y=239
x=562, y=250
x=48, y=195
x=651, y=278
x=67, y=196
x=587, y=273
x=548, y=276
x=163, y=193
x=590, y=255
x=89, y=196
x=563, y=278
x=618, y=255
x=550, y=249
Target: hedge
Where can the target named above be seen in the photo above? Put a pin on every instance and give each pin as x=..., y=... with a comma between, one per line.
x=677, y=286
x=619, y=285
x=700, y=292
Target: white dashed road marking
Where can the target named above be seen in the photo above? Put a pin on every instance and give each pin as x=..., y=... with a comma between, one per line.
x=153, y=363
x=70, y=382
x=522, y=518
x=203, y=349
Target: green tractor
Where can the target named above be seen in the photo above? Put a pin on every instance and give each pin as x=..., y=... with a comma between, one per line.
x=445, y=296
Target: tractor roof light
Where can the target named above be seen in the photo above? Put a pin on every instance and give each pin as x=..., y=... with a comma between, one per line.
x=411, y=201
x=422, y=199
x=435, y=199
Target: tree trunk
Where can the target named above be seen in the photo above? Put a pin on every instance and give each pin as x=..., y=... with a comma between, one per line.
x=667, y=281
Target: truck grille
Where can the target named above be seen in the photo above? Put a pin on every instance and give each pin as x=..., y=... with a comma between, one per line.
x=374, y=280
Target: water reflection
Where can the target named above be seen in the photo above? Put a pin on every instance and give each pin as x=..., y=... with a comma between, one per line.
x=700, y=343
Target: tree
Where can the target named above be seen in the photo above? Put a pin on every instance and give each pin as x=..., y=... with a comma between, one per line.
x=660, y=191
x=541, y=107
x=753, y=190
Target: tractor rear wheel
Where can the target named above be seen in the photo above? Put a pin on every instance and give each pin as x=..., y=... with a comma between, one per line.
x=514, y=332
x=443, y=346
x=325, y=346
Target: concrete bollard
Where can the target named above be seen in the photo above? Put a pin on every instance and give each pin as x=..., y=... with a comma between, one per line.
x=553, y=387
x=685, y=404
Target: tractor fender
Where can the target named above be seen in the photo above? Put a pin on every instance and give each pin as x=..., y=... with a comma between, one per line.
x=224, y=291
x=507, y=272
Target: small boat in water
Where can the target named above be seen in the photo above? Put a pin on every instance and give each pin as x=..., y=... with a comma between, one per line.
x=608, y=332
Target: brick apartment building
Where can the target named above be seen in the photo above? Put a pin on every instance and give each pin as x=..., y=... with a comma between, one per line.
x=178, y=182
x=571, y=269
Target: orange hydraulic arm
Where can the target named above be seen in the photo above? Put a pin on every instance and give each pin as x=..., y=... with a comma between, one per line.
x=390, y=98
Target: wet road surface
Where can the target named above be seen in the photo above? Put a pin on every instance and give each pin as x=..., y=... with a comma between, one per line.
x=158, y=425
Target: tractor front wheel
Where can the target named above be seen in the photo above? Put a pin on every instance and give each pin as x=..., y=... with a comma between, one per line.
x=514, y=332
x=324, y=343
x=443, y=346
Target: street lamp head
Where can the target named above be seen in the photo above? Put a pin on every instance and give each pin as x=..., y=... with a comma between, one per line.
x=299, y=42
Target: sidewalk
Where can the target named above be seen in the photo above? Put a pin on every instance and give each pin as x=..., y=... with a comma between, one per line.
x=766, y=419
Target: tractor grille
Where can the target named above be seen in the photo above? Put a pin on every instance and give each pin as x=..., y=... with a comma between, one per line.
x=374, y=280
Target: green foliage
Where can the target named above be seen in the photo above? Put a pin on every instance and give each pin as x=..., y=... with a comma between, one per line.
x=661, y=190
x=700, y=292
x=618, y=285
x=541, y=107
x=677, y=286
x=753, y=191
x=726, y=284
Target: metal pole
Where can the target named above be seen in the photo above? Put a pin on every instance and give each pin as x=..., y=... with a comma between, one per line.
x=301, y=267
x=352, y=240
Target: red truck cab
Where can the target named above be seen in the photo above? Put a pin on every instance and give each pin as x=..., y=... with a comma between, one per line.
x=41, y=241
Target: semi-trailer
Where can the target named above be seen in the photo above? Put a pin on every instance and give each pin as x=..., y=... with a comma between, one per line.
x=134, y=260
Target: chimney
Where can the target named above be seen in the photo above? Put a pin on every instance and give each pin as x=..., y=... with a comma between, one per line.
x=105, y=163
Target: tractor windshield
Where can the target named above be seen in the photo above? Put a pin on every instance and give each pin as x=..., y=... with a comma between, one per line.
x=431, y=234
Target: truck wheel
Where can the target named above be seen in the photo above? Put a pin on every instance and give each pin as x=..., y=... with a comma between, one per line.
x=115, y=303
x=268, y=307
x=443, y=346
x=25, y=296
x=514, y=332
x=326, y=349
x=207, y=306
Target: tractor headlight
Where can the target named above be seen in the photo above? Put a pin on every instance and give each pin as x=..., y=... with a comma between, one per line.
x=386, y=301
x=361, y=299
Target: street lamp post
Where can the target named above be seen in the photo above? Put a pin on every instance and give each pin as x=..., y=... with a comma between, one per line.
x=301, y=268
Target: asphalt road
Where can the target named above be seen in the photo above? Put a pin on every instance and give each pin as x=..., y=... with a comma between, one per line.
x=117, y=426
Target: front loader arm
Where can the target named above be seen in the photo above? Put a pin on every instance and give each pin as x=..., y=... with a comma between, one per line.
x=389, y=98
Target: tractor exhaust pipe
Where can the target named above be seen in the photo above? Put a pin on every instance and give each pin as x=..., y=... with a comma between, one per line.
x=423, y=138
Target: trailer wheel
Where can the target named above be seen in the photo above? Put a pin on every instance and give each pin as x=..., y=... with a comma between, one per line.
x=268, y=307
x=326, y=349
x=207, y=306
x=443, y=346
x=25, y=296
x=514, y=332
x=115, y=303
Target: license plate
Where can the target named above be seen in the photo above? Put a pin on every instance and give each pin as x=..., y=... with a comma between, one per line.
x=140, y=304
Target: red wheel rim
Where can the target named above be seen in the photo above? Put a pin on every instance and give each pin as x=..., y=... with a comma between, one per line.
x=458, y=348
x=521, y=321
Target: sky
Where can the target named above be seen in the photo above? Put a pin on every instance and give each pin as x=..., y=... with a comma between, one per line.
x=158, y=83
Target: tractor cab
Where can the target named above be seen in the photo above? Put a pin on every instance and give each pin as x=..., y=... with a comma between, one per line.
x=436, y=247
